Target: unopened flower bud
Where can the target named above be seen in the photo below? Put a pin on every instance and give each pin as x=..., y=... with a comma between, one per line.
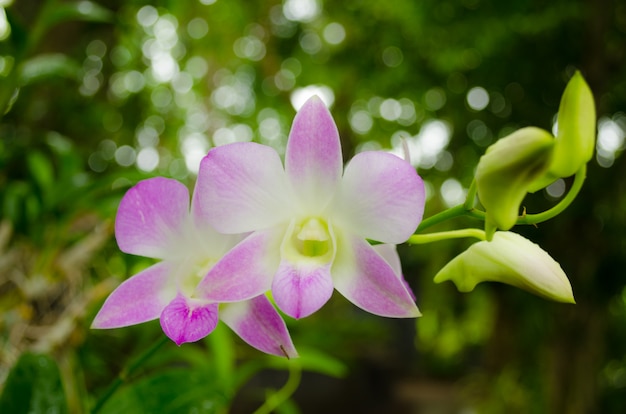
x=509, y=258
x=506, y=171
x=575, y=139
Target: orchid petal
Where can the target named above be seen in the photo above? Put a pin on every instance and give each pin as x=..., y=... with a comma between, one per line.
x=390, y=254
x=313, y=159
x=188, y=320
x=368, y=281
x=245, y=271
x=299, y=289
x=260, y=325
x=151, y=216
x=138, y=299
x=381, y=197
x=242, y=187
x=204, y=236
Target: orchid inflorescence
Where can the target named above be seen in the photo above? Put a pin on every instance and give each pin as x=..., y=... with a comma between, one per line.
x=309, y=226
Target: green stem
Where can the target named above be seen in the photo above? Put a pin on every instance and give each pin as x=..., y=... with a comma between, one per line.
x=127, y=373
x=453, y=212
x=280, y=396
x=471, y=196
x=579, y=179
x=466, y=209
x=445, y=235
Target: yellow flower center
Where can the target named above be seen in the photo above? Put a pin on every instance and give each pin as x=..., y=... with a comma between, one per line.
x=194, y=274
x=312, y=238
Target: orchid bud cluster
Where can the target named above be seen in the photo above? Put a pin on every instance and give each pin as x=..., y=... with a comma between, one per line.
x=526, y=161
x=304, y=228
x=530, y=159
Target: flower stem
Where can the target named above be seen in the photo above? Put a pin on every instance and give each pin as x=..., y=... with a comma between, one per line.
x=127, y=373
x=453, y=212
x=467, y=209
x=445, y=235
x=471, y=196
x=579, y=179
x=277, y=398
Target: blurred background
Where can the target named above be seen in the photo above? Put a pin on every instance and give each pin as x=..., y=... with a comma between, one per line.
x=100, y=94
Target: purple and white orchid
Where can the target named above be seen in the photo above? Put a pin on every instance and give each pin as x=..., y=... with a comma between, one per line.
x=310, y=221
x=154, y=220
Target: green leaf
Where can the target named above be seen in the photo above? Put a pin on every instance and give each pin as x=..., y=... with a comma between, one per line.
x=14, y=204
x=180, y=390
x=316, y=361
x=42, y=67
x=41, y=169
x=34, y=386
x=81, y=10
x=221, y=342
x=19, y=34
x=68, y=155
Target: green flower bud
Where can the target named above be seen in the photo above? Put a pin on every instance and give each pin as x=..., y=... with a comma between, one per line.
x=506, y=171
x=512, y=259
x=575, y=139
x=542, y=182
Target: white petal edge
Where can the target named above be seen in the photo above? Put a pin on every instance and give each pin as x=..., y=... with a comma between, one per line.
x=381, y=198
x=139, y=299
x=366, y=279
x=242, y=187
x=152, y=217
x=313, y=159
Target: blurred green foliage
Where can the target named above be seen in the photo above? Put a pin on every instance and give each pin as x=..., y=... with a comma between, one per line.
x=34, y=386
x=96, y=95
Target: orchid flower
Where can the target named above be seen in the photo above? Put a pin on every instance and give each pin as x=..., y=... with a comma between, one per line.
x=154, y=220
x=309, y=223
